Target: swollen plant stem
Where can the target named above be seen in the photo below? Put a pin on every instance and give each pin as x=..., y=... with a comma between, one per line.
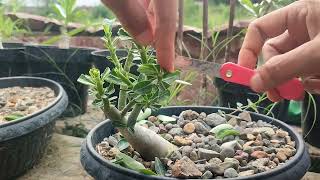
x=122, y=98
x=148, y=143
x=65, y=39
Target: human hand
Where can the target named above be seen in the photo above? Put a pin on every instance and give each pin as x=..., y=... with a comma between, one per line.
x=150, y=22
x=290, y=43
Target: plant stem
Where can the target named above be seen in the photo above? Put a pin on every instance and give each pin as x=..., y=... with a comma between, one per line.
x=1, y=45
x=127, y=108
x=132, y=119
x=65, y=39
x=122, y=98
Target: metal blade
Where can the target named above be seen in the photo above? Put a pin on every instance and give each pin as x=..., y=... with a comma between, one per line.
x=205, y=67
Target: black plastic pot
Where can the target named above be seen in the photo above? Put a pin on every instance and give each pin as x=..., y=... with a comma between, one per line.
x=63, y=66
x=12, y=60
x=230, y=94
x=23, y=142
x=101, y=169
x=310, y=123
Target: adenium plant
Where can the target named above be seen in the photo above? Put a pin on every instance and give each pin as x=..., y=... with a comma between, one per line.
x=151, y=89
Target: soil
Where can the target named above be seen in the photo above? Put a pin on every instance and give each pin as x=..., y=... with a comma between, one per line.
x=22, y=101
x=216, y=145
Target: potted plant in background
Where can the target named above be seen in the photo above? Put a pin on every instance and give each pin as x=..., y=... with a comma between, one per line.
x=131, y=144
x=63, y=64
x=29, y=107
x=12, y=60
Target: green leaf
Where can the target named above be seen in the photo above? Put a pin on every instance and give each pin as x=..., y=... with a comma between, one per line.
x=105, y=73
x=227, y=132
x=247, y=4
x=129, y=162
x=165, y=118
x=86, y=80
x=143, y=87
x=221, y=127
x=183, y=82
x=12, y=117
x=144, y=115
x=147, y=172
x=142, y=122
x=159, y=167
x=122, y=144
x=149, y=69
x=171, y=77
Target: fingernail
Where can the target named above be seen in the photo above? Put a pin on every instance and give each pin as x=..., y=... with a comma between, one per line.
x=257, y=83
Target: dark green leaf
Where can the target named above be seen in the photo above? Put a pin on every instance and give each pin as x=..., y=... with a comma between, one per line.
x=159, y=167
x=149, y=69
x=86, y=80
x=143, y=87
x=171, y=77
x=122, y=144
x=13, y=117
x=147, y=172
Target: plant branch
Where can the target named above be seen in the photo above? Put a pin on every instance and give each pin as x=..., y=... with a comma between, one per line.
x=127, y=108
x=133, y=116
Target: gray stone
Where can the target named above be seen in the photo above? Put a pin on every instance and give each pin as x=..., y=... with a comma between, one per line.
x=112, y=141
x=194, y=156
x=201, y=167
x=235, y=162
x=215, y=147
x=168, y=126
x=246, y=173
x=215, y=119
x=260, y=162
x=215, y=168
x=200, y=145
x=231, y=145
x=245, y=116
x=227, y=152
x=189, y=115
x=207, y=175
x=266, y=130
x=176, y=155
x=215, y=161
x=201, y=128
x=207, y=154
x=230, y=173
x=168, y=137
x=176, y=131
x=186, y=150
x=228, y=138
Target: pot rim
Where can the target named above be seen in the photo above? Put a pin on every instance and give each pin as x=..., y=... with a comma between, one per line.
x=58, y=94
x=300, y=146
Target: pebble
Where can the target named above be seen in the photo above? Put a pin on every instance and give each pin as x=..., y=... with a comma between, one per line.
x=215, y=161
x=246, y=173
x=235, y=162
x=245, y=116
x=189, y=128
x=162, y=129
x=180, y=141
x=215, y=147
x=250, y=137
x=189, y=115
x=186, y=150
x=227, y=152
x=168, y=137
x=201, y=167
x=215, y=119
x=259, y=154
x=168, y=126
x=185, y=168
x=194, y=156
x=267, y=130
x=215, y=168
x=155, y=129
x=281, y=133
x=230, y=173
x=231, y=145
x=112, y=141
x=176, y=155
x=207, y=154
x=281, y=156
x=200, y=128
x=207, y=175
x=176, y=131
x=152, y=119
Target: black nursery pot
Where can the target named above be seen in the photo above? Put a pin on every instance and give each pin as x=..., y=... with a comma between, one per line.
x=63, y=66
x=101, y=169
x=310, y=123
x=230, y=94
x=12, y=60
x=23, y=142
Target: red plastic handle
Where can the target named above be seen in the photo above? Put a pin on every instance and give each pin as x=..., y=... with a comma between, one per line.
x=291, y=90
